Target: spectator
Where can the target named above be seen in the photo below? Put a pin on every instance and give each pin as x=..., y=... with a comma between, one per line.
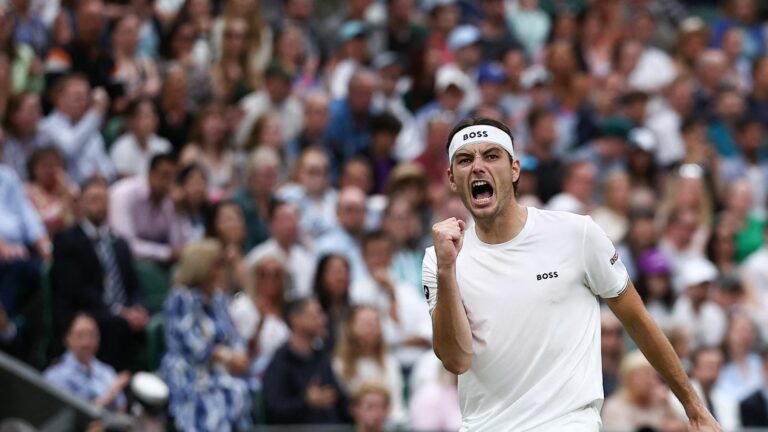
x=611, y=350
x=231, y=77
x=743, y=372
x=705, y=321
x=434, y=405
x=349, y=129
x=678, y=242
x=257, y=313
x=274, y=98
x=131, y=152
x=402, y=224
x=175, y=118
x=77, y=46
x=191, y=201
x=134, y=76
x=707, y=364
x=49, y=190
x=654, y=285
x=542, y=128
x=362, y=356
x=754, y=274
x=757, y=99
x=666, y=118
x=728, y=109
x=406, y=325
x=284, y=226
x=384, y=130
x=256, y=196
x=331, y=287
x=370, y=407
x=316, y=117
x=351, y=54
x=311, y=191
x=204, y=353
x=636, y=403
x=23, y=243
x=753, y=409
x=209, y=147
x=613, y=215
x=740, y=219
x=141, y=211
x=81, y=374
x=740, y=14
x=73, y=126
x=93, y=271
x=578, y=185
x=432, y=158
x=299, y=379
x=28, y=27
x=21, y=121
x=345, y=238
x=748, y=163
x=226, y=224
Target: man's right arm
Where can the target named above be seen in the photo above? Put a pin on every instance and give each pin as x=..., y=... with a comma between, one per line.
x=452, y=335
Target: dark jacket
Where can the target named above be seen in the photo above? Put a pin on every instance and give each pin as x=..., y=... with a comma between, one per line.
x=754, y=410
x=285, y=386
x=77, y=277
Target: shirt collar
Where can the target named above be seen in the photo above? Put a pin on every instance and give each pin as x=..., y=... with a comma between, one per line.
x=72, y=362
x=92, y=231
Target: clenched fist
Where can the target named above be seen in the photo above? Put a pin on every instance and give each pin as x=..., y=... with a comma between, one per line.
x=448, y=237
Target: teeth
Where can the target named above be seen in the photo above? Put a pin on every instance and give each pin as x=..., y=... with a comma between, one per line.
x=479, y=183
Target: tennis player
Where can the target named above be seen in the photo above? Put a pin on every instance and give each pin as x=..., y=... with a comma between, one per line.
x=514, y=301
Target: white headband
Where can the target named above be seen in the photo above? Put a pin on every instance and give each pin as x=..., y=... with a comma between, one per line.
x=480, y=134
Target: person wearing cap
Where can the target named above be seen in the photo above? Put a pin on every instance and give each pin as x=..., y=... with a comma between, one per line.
x=654, y=285
x=704, y=319
x=455, y=94
x=274, y=97
x=490, y=82
x=641, y=161
x=351, y=54
x=667, y=119
x=521, y=284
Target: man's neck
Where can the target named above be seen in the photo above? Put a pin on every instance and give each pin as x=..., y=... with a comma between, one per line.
x=300, y=344
x=504, y=226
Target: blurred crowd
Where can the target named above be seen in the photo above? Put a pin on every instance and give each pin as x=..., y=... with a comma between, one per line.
x=237, y=194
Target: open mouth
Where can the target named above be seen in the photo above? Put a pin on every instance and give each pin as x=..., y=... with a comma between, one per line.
x=482, y=192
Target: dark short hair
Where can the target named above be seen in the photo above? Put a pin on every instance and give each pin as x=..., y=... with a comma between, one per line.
x=744, y=123
x=212, y=213
x=376, y=235
x=696, y=354
x=295, y=307
x=537, y=114
x=133, y=107
x=38, y=154
x=275, y=205
x=93, y=181
x=385, y=123
x=161, y=158
x=187, y=171
x=690, y=123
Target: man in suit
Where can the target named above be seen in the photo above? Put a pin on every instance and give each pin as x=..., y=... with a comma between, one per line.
x=754, y=409
x=93, y=272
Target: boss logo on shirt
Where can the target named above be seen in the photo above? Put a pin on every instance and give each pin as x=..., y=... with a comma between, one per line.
x=549, y=275
x=480, y=134
x=615, y=257
x=426, y=292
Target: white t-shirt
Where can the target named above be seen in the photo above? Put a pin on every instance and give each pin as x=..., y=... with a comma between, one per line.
x=535, y=323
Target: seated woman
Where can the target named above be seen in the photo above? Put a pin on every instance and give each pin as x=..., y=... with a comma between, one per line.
x=258, y=313
x=331, y=288
x=204, y=354
x=132, y=151
x=49, y=190
x=225, y=223
x=362, y=356
x=81, y=374
x=191, y=201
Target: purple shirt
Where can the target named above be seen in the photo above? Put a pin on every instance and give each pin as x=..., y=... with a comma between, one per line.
x=152, y=229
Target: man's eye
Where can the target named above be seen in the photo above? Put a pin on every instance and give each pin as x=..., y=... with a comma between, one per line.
x=493, y=157
x=464, y=161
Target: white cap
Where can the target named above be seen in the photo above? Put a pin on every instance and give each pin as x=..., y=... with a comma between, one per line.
x=462, y=36
x=149, y=388
x=696, y=271
x=451, y=75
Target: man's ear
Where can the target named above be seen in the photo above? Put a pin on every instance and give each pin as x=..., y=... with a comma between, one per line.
x=515, y=170
x=449, y=171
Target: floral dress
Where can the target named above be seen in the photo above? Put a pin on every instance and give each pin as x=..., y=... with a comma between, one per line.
x=203, y=395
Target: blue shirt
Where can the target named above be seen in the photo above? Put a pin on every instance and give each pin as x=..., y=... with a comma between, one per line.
x=87, y=382
x=19, y=222
x=338, y=241
x=346, y=136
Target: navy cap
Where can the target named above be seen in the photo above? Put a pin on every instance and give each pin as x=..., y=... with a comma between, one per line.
x=491, y=72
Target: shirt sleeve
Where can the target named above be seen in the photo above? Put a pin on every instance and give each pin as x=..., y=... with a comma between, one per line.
x=605, y=274
x=429, y=278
